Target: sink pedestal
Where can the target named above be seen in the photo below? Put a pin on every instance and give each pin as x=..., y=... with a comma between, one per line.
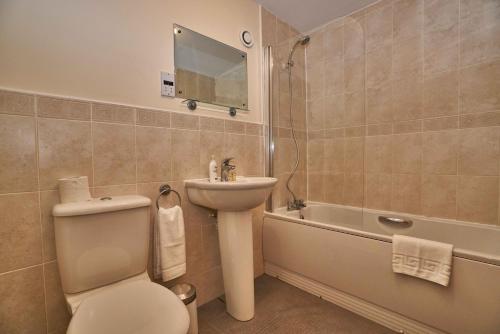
x=236, y=251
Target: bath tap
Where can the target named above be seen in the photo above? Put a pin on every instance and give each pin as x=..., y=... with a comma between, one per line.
x=296, y=204
x=225, y=169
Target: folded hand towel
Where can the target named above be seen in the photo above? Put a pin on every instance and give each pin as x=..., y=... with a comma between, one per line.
x=170, y=244
x=426, y=259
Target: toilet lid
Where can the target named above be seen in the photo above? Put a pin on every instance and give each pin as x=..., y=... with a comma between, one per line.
x=133, y=308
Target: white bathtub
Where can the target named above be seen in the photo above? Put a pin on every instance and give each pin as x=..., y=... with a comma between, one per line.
x=343, y=254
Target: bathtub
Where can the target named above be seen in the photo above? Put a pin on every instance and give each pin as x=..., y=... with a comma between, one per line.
x=343, y=254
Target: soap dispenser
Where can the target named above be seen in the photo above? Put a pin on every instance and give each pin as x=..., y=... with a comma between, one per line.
x=212, y=170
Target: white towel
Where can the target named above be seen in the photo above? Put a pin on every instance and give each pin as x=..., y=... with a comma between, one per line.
x=426, y=259
x=170, y=244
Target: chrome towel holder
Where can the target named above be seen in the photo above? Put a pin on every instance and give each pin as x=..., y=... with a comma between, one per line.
x=165, y=189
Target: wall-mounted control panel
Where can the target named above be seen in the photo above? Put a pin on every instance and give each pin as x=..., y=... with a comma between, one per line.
x=167, y=84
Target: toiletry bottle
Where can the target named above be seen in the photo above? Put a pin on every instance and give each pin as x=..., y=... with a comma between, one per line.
x=212, y=170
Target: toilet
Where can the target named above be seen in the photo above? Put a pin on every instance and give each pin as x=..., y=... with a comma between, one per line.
x=102, y=253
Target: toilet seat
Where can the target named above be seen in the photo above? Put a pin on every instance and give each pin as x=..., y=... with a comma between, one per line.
x=138, y=307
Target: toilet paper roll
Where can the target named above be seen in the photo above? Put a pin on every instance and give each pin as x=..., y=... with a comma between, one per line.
x=74, y=189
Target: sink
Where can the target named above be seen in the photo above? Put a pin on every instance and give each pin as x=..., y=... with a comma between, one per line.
x=243, y=194
x=233, y=202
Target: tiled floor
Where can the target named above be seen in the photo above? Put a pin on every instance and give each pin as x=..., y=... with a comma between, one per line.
x=282, y=308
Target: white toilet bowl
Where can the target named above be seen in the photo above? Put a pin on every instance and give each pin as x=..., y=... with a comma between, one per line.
x=139, y=307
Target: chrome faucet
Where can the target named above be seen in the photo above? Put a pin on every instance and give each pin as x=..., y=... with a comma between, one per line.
x=296, y=204
x=225, y=168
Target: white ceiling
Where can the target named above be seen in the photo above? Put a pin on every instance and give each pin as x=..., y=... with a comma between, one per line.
x=307, y=15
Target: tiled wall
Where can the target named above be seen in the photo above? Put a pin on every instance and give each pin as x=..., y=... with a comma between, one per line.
x=123, y=150
x=281, y=37
x=404, y=109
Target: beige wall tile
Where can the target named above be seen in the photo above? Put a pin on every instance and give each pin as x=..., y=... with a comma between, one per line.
x=47, y=201
x=440, y=14
x=480, y=120
x=439, y=196
x=64, y=150
x=17, y=149
x=113, y=113
x=185, y=154
x=378, y=191
x=254, y=147
x=333, y=39
x=378, y=154
x=354, y=189
x=407, y=98
x=334, y=188
x=406, y=193
x=315, y=158
x=234, y=146
x=478, y=14
x=441, y=47
x=22, y=305
x=153, y=118
x=379, y=66
x=212, y=124
x=334, y=111
x=407, y=153
x=379, y=104
x=234, y=127
x=63, y=108
x=184, y=121
x=334, y=76
x=316, y=47
x=153, y=154
x=407, y=57
x=316, y=186
x=20, y=233
x=354, y=154
x=480, y=88
x=114, y=190
x=441, y=95
x=16, y=103
x=478, y=199
x=378, y=27
x=479, y=45
x=408, y=18
x=210, y=253
x=407, y=126
x=254, y=129
x=315, y=82
x=114, y=154
x=315, y=114
x=268, y=28
x=354, y=37
x=334, y=155
x=354, y=112
x=58, y=316
x=354, y=74
x=379, y=129
x=213, y=144
x=440, y=123
x=440, y=152
x=479, y=151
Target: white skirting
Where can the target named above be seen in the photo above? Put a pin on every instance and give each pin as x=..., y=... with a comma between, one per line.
x=378, y=314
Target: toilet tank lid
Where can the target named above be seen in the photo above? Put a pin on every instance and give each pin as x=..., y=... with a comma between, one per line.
x=100, y=205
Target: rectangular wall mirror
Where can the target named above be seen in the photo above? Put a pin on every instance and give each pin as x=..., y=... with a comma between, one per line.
x=209, y=71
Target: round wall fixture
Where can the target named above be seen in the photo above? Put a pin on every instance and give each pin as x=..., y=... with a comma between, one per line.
x=246, y=38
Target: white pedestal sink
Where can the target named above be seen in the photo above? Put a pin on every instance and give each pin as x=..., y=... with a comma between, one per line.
x=233, y=202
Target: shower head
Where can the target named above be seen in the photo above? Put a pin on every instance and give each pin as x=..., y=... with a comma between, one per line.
x=301, y=41
x=304, y=40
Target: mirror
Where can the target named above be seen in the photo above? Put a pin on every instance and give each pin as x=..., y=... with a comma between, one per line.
x=209, y=71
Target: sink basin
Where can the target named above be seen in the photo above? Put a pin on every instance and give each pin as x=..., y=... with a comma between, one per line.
x=233, y=202
x=243, y=194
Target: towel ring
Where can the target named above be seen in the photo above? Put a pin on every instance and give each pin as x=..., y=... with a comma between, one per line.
x=165, y=189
